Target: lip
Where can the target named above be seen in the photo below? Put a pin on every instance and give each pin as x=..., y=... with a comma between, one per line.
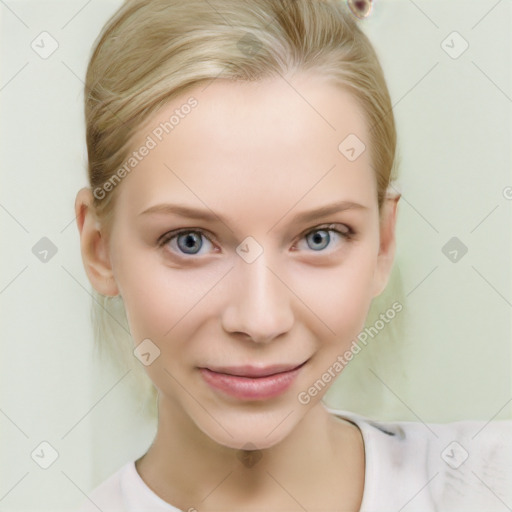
x=254, y=371
x=254, y=383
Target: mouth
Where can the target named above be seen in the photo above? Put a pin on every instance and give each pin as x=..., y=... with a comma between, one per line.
x=254, y=371
x=250, y=382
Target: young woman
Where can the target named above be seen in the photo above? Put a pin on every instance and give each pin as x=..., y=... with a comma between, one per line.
x=241, y=158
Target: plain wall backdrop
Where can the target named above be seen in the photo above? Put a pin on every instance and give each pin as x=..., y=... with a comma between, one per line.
x=67, y=423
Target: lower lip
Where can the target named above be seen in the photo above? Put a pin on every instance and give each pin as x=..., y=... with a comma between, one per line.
x=250, y=388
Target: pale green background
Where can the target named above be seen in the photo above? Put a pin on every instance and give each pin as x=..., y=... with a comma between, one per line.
x=446, y=356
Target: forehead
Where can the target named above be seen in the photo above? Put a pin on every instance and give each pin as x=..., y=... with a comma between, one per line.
x=245, y=144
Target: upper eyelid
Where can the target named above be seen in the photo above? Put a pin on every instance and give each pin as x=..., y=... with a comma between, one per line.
x=166, y=237
x=329, y=226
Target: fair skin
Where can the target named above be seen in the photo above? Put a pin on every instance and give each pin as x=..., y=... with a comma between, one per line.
x=255, y=154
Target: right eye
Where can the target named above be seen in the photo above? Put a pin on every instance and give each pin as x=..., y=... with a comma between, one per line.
x=185, y=241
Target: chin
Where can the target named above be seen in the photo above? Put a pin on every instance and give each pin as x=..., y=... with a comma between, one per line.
x=248, y=430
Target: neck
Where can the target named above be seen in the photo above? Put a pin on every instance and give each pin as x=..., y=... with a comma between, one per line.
x=323, y=455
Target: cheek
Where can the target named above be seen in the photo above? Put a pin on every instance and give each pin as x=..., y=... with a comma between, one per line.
x=166, y=303
x=160, y=300
x=147, y=297
x=340, y=296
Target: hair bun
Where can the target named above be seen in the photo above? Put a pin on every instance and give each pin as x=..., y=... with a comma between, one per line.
x=360, y=8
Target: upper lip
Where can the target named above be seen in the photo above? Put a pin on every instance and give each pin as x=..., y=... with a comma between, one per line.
x=254, y=371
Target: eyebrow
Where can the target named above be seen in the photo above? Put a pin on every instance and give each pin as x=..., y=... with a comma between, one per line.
x=208, y=215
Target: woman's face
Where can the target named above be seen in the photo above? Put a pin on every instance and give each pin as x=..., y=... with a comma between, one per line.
x=256, y=277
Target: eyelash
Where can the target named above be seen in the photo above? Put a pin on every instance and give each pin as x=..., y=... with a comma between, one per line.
x=167, y=237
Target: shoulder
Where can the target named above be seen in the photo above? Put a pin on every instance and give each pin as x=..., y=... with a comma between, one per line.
x=458, y=466
x=107, y=496
x=471, y=463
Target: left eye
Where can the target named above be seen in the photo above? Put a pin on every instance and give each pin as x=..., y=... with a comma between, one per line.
x=320, y=238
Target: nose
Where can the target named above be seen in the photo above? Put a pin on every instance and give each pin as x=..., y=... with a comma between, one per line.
x=259, y=303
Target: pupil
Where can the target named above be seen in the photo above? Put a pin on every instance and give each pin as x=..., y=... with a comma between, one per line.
x=188, y=242
x=319, y=237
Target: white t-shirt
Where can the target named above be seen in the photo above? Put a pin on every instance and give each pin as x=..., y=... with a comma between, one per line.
x=463, y=466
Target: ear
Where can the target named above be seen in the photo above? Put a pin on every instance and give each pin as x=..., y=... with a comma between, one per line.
x=94, y=246
x=387, y=246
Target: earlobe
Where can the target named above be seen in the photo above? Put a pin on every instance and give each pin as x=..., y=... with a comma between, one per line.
x=387, y=244
x=94, y=246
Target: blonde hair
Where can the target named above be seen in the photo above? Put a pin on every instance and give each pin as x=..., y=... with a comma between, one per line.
x=153, y=50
